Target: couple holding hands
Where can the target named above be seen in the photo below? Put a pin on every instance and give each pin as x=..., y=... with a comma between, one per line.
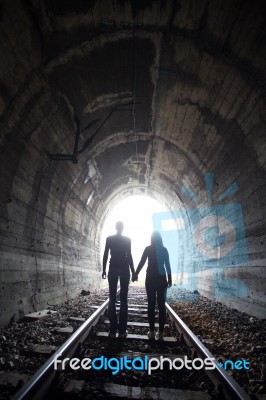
x=158, y=278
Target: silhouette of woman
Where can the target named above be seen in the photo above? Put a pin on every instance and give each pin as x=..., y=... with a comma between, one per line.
x=156, y=282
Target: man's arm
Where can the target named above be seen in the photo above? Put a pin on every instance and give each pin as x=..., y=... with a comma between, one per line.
x=130, y=259
x=105, y=258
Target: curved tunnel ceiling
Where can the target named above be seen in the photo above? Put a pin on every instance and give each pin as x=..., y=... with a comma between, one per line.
x=181, y=82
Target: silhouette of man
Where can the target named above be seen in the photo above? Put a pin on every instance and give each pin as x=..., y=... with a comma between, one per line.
x=121, y=259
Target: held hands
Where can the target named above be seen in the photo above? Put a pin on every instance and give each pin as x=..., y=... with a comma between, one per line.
x=134, y=277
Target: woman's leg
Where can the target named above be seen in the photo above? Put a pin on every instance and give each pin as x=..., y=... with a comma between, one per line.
x=151, y=295
x=161, y=298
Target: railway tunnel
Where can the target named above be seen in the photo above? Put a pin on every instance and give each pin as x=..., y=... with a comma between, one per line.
x=101, y=100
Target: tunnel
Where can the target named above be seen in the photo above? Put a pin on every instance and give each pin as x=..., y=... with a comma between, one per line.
x=102, y=100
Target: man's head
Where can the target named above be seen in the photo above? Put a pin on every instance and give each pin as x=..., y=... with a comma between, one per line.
x=119, y=226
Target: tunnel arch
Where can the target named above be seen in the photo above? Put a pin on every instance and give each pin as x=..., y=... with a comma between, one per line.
x=195, y=73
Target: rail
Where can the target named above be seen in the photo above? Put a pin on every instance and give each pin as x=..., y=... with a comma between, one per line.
x=230, y=387
x=35, y=388
x=38, y=385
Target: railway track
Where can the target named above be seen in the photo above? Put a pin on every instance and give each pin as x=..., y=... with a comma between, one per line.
x=100, y=367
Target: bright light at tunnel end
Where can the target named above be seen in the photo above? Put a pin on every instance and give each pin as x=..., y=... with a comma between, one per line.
x=136, y=212
x=204, y=239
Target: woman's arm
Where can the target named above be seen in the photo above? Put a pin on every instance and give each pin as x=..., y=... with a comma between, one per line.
x=141, y=263
x=168, y=268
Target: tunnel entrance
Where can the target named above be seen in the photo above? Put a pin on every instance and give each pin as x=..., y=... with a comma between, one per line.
x=104, y=102
x=136, y=213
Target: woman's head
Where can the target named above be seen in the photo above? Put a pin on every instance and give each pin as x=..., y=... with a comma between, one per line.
x=156, y=239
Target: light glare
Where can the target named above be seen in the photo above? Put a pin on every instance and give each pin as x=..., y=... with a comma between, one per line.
x=136, y=214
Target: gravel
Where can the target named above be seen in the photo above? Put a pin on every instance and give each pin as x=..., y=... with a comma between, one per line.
x=228, y=333
x=25, y=346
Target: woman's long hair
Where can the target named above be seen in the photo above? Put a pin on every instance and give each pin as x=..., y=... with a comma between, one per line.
x=156, y=239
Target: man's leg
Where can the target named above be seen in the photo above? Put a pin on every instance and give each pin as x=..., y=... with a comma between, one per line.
x=151, y=295
x=161, y=298
x=112, y=279
x=124, y=282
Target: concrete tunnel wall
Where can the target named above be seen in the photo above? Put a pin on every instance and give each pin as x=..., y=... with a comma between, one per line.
x=196, y=72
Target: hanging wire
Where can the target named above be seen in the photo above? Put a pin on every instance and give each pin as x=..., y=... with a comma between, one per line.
x=134, y=104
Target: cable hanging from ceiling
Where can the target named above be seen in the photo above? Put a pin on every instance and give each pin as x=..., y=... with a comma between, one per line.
x=134, y=103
